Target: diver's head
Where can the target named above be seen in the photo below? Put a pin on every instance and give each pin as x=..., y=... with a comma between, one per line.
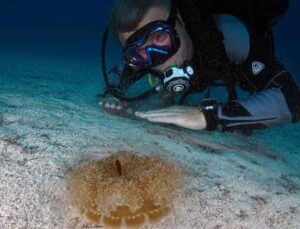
x=152, y=33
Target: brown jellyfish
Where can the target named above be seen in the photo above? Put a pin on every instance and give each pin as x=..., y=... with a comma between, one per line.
x=124, y=190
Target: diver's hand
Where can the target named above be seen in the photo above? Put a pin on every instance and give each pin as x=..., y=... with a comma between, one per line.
x=187, y=117
x=115, y=106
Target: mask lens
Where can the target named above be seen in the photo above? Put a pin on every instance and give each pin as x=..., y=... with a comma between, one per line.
x=158, y=45
x=160, y=39
x=136, y=56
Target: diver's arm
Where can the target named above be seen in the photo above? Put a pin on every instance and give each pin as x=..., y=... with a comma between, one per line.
x=276, y=99
x=277, y=103
x=263, y=109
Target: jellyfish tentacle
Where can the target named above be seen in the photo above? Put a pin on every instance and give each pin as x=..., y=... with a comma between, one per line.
x=119, y=167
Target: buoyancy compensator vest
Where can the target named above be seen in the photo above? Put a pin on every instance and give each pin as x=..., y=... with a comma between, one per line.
x=210, y=58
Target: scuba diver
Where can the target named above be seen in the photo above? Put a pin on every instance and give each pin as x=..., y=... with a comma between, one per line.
x=192, y=46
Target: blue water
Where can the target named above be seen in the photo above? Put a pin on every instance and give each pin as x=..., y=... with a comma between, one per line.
x=287, y=39
x=55, y=22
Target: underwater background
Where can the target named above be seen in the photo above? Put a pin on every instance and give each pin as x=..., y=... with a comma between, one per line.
x=44, y=26
x=50, y=121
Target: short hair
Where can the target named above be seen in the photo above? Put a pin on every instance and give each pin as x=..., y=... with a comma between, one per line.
x=127, y=14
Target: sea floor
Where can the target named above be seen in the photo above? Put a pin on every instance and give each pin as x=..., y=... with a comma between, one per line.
x=50, y=122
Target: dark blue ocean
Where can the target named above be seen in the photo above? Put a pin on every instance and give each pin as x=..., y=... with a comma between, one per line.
x=49, y=22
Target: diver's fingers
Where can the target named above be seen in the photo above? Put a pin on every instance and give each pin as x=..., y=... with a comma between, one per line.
x=119, y=110
x=110, y=100
x=160, y=112
x=165, y=119
x=110, y=106
x=173, y=109
x=146, y=115
x=113, y=106
x=107, y=105
x=156, y=115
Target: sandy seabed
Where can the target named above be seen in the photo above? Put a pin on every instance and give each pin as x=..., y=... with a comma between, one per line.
x=50, y=122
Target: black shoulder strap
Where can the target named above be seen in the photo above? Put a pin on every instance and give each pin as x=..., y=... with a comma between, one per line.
x=210, y=55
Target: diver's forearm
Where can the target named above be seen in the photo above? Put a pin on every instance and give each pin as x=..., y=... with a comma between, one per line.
x=263, y=109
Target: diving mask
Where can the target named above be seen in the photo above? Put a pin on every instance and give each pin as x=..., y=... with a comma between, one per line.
x=152, y=44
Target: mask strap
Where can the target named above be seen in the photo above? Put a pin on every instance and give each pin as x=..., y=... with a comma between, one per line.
x=173, y=15
x=103, y=59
